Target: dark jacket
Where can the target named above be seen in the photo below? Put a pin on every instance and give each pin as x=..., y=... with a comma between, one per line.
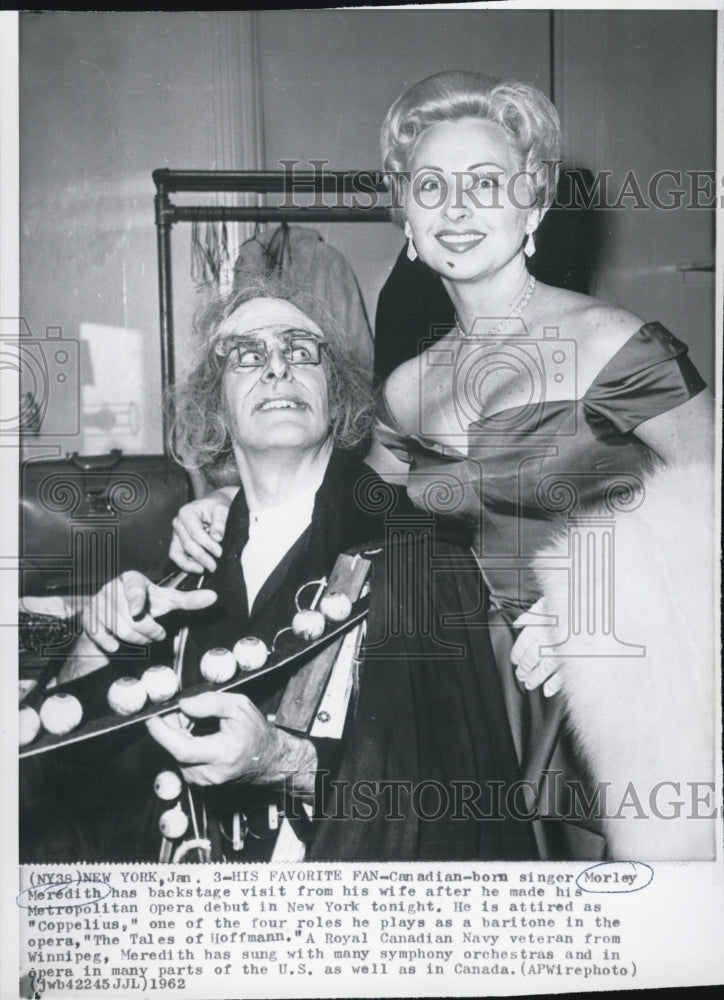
x=350, y=510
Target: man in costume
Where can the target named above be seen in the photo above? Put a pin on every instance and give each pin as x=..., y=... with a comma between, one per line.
x=273, y=404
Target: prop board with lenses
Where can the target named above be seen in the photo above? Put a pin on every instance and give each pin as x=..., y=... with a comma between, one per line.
x=313, y=655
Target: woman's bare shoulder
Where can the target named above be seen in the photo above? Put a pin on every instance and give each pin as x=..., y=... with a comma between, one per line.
x=599, y=328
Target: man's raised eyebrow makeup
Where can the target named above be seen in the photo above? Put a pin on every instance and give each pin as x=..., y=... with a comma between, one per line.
x=292, y=331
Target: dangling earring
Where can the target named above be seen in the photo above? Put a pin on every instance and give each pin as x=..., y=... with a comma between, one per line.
x=529, y=247
x=411, y=249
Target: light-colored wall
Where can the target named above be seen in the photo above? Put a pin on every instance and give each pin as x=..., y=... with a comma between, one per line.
x=636, y=92
x=107, y=97
x=328, y=77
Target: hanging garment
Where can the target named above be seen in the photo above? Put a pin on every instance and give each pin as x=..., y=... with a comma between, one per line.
x=301, y=256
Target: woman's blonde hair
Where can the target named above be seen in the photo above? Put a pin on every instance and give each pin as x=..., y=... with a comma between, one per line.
x=523, y=112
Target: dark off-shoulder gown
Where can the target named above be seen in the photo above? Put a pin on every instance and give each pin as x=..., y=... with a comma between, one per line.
x=521, y=473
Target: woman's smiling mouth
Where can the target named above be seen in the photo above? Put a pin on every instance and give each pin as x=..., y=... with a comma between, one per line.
x=459, y=242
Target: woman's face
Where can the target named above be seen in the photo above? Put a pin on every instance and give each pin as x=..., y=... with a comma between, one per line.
x=274, y=398
x=467, y=202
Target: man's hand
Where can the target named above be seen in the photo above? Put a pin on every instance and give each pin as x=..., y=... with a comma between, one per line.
x=126, y=609
x=246, y=748
x=198, y=528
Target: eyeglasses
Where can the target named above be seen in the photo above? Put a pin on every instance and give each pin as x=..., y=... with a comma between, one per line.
x=297, y=348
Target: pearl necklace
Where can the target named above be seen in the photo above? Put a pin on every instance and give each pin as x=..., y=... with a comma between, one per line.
x=516, y=311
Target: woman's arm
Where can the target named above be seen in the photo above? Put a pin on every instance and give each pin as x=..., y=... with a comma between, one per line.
x=198, y=529
x=684, y=434
x=388, y=454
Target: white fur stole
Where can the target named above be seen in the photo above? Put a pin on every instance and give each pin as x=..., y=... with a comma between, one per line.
x=645, y=724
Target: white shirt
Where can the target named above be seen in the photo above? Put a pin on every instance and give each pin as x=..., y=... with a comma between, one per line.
x=272, y=532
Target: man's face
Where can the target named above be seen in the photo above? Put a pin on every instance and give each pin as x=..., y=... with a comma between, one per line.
x=275, y=395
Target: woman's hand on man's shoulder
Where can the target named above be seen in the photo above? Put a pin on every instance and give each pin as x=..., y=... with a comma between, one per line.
x=198, y=530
